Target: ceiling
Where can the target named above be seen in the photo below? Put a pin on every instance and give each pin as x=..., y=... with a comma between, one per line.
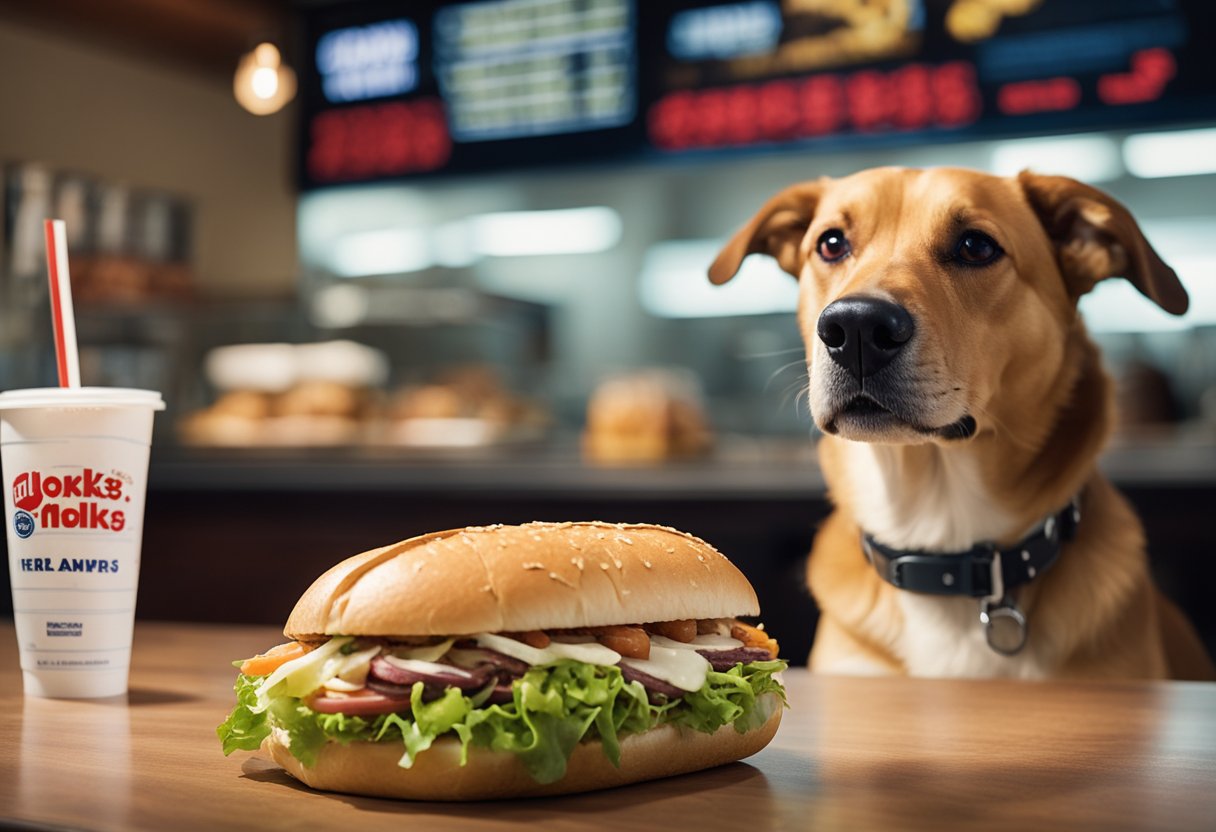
x=202, y=35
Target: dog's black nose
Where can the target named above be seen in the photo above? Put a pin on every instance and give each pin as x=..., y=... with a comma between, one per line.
x=863, y=334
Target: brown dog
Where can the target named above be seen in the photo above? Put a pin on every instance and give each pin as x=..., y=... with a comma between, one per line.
x=964, y=407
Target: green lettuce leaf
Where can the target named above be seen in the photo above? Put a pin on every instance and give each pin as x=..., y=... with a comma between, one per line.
x=244, y=729
x=430, y=719
x=553, y=709
x=731, y=697
x=305, y=735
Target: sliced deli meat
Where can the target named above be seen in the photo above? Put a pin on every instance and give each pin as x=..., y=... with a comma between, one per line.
x=474, y=657
x=408, y=671
x=722, y=660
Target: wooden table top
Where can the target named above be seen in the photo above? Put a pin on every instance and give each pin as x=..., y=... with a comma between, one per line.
x=851, y=754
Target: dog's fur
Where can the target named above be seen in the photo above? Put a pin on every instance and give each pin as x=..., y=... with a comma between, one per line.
x=1003, y=344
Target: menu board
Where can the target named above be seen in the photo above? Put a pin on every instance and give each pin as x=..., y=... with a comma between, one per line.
x=392, y=90
x=535, y=67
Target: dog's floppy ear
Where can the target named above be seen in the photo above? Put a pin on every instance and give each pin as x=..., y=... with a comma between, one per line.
x=776, y=229
x=1096, y=237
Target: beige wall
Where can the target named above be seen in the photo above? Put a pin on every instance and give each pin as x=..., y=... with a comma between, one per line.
x=77, y=106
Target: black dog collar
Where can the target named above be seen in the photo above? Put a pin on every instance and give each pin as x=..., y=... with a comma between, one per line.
x=984, y=570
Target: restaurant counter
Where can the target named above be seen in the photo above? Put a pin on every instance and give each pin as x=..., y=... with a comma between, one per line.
x=851, y=753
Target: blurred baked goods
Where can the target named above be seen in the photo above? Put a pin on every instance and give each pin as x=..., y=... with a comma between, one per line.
x=647, y=416
x=312, y=413
x=244, y=404
x=285, y=394
x=464, y=407
x=323, y=398
x=331, y=394
x=236, y=418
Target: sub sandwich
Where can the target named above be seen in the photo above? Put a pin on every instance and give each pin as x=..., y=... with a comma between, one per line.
x=508, y=661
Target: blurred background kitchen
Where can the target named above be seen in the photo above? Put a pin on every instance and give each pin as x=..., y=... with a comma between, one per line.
x=405, y=266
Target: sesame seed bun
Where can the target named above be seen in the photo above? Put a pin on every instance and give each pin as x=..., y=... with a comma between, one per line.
x=519, y=578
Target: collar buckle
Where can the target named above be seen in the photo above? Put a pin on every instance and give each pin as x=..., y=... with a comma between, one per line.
x=997, y=579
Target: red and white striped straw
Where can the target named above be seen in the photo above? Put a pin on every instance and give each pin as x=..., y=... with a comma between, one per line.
x=62, y=316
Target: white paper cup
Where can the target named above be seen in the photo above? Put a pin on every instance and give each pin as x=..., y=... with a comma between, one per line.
x=75, y=464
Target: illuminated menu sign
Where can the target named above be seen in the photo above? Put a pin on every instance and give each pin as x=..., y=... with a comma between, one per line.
x=511, y=68
x=404, y=89
x=374, y=61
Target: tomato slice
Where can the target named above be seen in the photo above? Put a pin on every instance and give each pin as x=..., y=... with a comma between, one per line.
x=360, y=703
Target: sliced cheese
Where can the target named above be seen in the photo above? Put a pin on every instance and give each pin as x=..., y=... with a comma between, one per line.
x=683, y=668
x=707, y=642
x=591, y=653
x=426, y=653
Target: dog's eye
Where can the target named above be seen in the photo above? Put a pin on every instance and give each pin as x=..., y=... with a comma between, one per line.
x=833, y=245
x=976, y=249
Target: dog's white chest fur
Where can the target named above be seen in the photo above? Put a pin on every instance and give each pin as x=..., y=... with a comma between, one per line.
x=942, y=637
x=949, y=509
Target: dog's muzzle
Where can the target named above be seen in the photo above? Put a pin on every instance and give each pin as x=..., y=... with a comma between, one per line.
x=866, y=385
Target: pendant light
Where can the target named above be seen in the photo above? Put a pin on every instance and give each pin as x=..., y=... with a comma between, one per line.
x=263, y=84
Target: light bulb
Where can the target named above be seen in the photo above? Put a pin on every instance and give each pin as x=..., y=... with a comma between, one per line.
x=263, y=84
